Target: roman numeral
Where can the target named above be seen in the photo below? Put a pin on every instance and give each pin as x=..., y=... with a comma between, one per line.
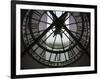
x=57, y=57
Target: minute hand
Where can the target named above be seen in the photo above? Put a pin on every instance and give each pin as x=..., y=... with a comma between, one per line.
x=68, y=31
x=38, y=39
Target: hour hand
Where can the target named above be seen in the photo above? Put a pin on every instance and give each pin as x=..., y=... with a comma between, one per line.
x=53, y=15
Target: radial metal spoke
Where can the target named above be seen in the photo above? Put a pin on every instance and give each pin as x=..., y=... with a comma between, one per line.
x=54, y=42
x=68, y=17
x=39, y=31
x=49, y=16
x=68, y=37
x=47, y=37
x=73, y=23
x=62, y=43
x=41, y=21
x=75, y=32
x=35, y=32
x=43, y=41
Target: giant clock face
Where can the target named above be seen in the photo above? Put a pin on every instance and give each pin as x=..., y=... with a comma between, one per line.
x=56, y=38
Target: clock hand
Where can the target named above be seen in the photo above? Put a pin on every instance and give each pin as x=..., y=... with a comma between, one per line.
x=45, y=31
x=76, y=40
x=53, y=15
x=37, y=39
